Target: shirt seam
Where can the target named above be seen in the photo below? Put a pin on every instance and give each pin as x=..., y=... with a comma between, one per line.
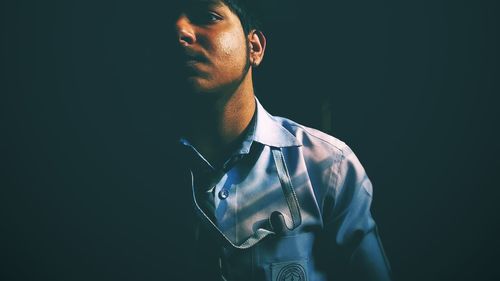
x=335, y=172
x=309, y=133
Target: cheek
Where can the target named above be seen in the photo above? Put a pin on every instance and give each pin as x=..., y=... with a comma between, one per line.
x=232, y=49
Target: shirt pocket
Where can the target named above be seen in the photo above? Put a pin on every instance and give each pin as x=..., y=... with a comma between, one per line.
x=284, y=257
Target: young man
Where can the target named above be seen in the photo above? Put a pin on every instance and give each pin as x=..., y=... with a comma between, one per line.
x=273, y=200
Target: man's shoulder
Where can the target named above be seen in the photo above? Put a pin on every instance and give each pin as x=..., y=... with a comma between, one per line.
x=314, y=139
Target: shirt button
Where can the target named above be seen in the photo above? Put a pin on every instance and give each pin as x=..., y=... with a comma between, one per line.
x=223, y=194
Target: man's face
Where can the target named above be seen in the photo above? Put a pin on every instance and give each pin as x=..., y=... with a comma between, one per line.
x=214, y=51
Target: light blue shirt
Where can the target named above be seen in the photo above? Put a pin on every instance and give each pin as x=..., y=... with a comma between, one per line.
x=337, y=235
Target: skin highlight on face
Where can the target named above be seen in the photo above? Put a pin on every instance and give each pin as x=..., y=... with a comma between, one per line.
x=215, y=47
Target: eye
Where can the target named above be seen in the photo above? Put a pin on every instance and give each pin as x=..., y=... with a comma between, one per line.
x=205, y=17
x=213, y=17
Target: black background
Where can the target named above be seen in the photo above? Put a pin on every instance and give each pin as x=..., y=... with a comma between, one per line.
x=88, y=106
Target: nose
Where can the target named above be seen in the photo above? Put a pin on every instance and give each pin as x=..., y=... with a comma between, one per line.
x=185, y=31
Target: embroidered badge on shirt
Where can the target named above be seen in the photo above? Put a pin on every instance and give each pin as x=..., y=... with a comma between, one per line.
x=289, y=271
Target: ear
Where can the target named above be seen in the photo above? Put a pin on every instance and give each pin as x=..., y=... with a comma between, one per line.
x=257, y=42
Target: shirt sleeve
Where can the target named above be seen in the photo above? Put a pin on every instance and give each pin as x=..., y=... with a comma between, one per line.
x=350, y=244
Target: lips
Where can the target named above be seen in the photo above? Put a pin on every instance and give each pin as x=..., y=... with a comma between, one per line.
x=192, y=63
x=191, y=57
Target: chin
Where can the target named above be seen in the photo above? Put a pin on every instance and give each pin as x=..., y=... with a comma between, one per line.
x=198, y=86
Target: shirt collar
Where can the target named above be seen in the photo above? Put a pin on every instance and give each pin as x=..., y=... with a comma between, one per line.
x=264, y=129
x=270, y=131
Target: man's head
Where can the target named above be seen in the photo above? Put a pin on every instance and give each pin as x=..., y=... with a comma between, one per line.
x=220, y=43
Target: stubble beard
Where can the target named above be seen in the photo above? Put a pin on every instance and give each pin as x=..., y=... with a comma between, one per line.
x=225, y=92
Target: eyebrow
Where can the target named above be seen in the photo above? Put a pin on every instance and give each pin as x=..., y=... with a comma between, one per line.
x=206, y=2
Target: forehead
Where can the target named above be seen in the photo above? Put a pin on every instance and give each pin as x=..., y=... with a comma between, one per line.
x=180, y=6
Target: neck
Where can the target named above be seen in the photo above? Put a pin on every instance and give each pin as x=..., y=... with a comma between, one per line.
x=217, y=124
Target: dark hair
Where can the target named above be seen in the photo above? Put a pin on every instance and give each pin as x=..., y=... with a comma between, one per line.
x=248, y=12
